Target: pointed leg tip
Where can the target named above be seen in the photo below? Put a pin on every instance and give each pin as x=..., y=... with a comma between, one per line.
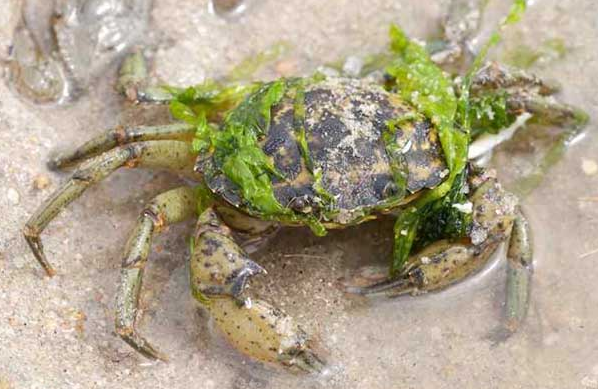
x=137, y=342
x=302, y=361
x=49, y=269
x=50, y=272
x=501, y=334
x=35, y=243
x=311, y=363
x=53, y=165
x=161, y=356
x=151, y=352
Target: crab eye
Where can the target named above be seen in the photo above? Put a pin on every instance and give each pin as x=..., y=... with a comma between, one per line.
x=390, y=189
x=298, y=203
x=301, y=204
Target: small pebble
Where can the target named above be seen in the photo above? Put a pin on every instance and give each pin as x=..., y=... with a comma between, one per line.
x=328, y=71
x=224, y=7
x=576, y=322
x=41, y=181
x=352, y=66
x=551, y=339
x=19, y=262
x=589, y=166
x=589, y=382
x=4, y=383
x=286, y=68
x=436, y=333
x=13, y=196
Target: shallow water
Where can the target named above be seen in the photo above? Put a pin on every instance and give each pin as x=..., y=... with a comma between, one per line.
x=59, y=334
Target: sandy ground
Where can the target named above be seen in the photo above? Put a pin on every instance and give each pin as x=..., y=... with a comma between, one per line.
x=58, y=333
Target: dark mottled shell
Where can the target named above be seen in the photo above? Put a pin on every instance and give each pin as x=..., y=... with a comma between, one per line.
x=344, y=123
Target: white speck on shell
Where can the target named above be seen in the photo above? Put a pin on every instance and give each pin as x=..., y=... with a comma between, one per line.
x=407, y=147
x=466, y=208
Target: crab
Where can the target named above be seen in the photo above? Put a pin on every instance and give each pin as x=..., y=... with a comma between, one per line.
x=324, y=152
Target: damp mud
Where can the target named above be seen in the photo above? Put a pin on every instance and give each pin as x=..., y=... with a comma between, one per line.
x=59, y=332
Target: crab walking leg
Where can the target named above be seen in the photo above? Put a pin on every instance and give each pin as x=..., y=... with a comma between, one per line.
x=494, y=77
x=461, y=23
x=173, y=155
x=220, y=270
x=216, y=97
x=120, y=136
x=547, y=112
x=167, y=208
x=527, y=93
x=519, y=273
x=133, y=77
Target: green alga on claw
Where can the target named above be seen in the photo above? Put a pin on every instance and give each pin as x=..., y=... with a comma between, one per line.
x=423, y=84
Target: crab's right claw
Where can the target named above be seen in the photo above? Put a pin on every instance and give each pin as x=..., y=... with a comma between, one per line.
x=438, y=265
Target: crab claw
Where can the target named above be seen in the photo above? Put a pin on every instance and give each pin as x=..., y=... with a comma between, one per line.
x=438, y=265
x=375, y=281
x=220, y=270
x=265, y=333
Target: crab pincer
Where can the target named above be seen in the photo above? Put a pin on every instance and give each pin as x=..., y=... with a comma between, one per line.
x=220, y=270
